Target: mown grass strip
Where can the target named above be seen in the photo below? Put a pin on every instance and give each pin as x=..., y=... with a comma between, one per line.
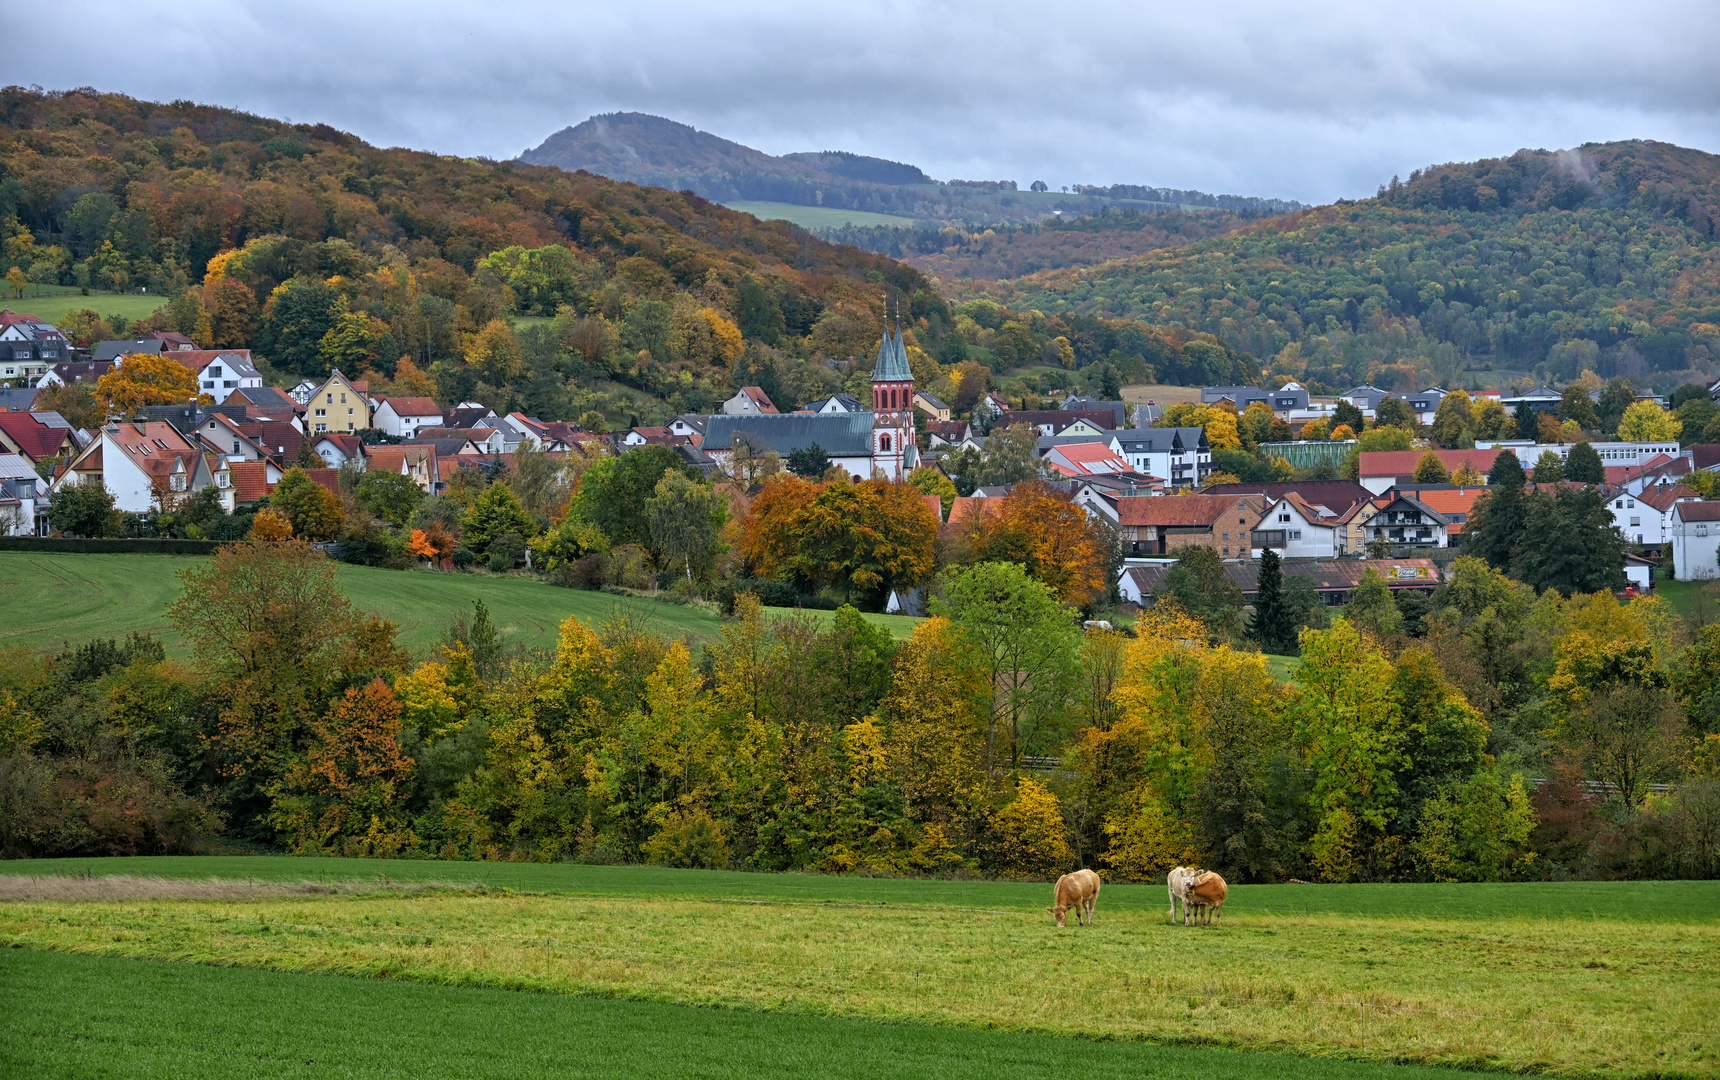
x=1640, y=901
x=80, y=1016
x=1578, y=998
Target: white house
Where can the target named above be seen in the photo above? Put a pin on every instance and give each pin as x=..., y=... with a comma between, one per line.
x=1696, y=541
x=750, y=401
x=1297, y=529
x=220, y=372
x=403, y=416
x=1646, y=518
x=1407, y=521
x=139, y=462
x=23, y=498
x=1181, y=455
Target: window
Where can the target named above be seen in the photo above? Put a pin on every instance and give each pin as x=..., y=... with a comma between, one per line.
x=1283, y=517
x=1226, y=536
x=1635, y=521
x=215, y=371
x=330, y=399
x=235, y=446
x=343, y=400
x=1295, y=534
x=1701, y=530
x=884, y=443
x=229, y=384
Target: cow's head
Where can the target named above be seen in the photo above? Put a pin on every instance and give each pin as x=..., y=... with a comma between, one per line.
x=1057, y=912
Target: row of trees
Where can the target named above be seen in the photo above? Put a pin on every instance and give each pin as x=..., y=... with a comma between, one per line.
x=791, y=743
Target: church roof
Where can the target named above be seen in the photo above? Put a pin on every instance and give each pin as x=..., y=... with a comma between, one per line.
x=892, y=363
x=837, y=434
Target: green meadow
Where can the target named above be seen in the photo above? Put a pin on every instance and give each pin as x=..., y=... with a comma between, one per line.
x=51, y=302
x=79, y=1016
x=1581, y=980
x=73, y=598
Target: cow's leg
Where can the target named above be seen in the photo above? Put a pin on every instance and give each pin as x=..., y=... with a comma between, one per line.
x=1218, y=913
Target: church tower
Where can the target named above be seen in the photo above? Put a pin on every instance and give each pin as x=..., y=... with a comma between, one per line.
x=894, y=449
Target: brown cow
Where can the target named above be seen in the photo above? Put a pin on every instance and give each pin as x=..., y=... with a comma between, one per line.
x=1080, y=891
x=1208, y=892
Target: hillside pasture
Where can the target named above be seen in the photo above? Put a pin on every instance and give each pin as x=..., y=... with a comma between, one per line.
x=75, y=1016
x=1595, y=997
x=73, y=598
x=815, y=217
x=51, y=302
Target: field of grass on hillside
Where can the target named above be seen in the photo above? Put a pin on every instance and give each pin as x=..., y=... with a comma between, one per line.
x=73, y=598
x=51, y=302
x=1568, y=996
x=815, y=217
x=77, y=1016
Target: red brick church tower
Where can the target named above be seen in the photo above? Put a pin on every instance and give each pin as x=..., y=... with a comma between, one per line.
x=895, y=451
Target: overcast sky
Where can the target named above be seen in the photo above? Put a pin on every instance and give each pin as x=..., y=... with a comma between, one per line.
x=1310, y=101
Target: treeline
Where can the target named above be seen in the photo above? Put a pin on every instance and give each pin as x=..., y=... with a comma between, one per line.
x=1176, y=197
x=825, y=745
x=1404, y=290
x=1009, y=250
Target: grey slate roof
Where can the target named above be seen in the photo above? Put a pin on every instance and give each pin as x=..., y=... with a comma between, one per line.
x=838, y=434
x=1159, y=440
x=892, y=363
x=18, y=400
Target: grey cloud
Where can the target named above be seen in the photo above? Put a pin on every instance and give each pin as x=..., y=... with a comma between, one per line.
x=1310, y=101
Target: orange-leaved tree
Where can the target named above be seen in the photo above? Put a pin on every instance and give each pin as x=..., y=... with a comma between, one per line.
x=768, y=538
x=1044, y=531
x=147, y=379
x=347, y=793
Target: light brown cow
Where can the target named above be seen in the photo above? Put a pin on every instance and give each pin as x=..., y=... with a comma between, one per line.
x=1080, y=891
x=1208, y=892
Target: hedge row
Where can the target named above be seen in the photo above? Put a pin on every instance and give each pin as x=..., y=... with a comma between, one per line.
x=89, y=546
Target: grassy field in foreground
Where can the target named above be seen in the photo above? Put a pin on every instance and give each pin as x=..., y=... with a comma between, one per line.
x=1646, y=901
x=80, y=1016
x=1527, y=995
x=51, y=302
x=816, y=217
x=111, y=595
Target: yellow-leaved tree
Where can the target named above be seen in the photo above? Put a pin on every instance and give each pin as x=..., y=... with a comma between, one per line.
x=147, y=379
x=1029, y=835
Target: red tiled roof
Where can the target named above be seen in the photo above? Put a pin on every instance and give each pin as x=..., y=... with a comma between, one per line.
x=414, y=406
x=1662, y=498
x=759, y=398
x=328, y=478
x=1451, y=503
x=1178, y=510
x=971, y=508
x=250, y=480
x=34, y=439
x=935, y=505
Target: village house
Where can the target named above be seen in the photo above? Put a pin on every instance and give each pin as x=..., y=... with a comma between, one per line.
x=1696, y=541
x=1406, y=521
x=404, y=417
x=1078, y=460
x=144, y=463
x=1296, y=529
x=417, y=463
x=749, y=401
x=1066, y=421
x=933, y=407
x=1181, y=455
x=337, y=405
x=1382, y=470
x=29, y=347
x=338, y=449
x=23, y=498
x=38, y=435
x=220, y=372
x=843, y=402
x=1648, y=523
x=1159, y=525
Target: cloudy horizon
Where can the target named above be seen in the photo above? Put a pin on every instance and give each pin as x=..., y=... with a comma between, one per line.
x=1312, y=102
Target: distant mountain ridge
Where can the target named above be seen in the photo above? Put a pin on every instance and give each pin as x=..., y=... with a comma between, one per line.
x=657, y=152
x=654, y=151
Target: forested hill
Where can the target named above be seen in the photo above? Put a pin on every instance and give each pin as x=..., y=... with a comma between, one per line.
x=414, y=254
x=1535, y=266
x=652, y=150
